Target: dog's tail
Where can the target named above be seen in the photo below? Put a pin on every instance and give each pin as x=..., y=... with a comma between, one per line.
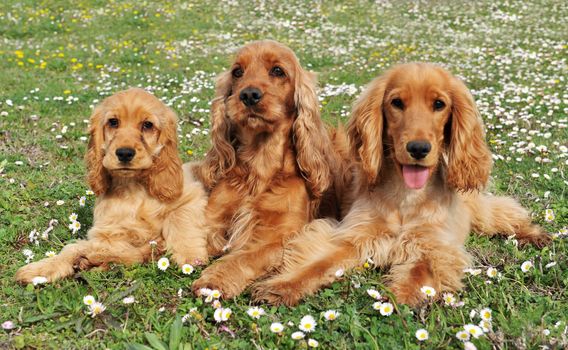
x=498, y=215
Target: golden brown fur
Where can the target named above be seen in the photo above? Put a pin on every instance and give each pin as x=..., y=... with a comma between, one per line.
x=149, y=197
x=270, y=166
x=419, y=232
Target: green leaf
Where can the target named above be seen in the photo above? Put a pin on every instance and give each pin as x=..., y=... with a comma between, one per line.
x=175, y=333
x=136, y=346
x=155, y=341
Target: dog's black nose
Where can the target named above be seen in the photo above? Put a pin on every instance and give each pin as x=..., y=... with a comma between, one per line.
x=125, y=154
x=250, y=96
x=418, y=149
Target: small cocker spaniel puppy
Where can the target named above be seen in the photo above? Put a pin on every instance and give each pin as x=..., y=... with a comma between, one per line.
x=271, y=168
x=419, y=141
x=143, y=193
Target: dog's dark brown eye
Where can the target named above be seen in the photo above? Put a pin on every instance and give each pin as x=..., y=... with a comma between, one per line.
x=147, y=125
x=113, y=123
x=237, y=72
x=439, y=105
x=397, y=102
x=277, y=72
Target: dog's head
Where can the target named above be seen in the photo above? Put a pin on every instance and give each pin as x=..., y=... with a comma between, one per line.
x=133, y=136
x=266, y=91
x=421, y=115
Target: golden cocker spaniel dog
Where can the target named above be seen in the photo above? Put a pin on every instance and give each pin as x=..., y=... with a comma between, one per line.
x=419, y=141
x=271, y=168
x=143, y=192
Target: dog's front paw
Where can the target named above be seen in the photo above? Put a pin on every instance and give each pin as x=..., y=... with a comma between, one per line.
x=277, y=293
x=194, y=257
x=50, y=268
x=228, y=284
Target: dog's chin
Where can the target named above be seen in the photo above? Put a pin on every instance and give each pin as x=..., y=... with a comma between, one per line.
x=415, y=176
x=125, y=172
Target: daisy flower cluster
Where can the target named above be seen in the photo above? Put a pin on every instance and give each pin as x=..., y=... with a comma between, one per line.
x=95, y=307
x=516, y=76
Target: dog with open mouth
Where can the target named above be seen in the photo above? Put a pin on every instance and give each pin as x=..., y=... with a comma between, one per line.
x=419, y=141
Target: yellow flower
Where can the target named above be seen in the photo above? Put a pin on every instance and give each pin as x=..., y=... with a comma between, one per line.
x=66, y=92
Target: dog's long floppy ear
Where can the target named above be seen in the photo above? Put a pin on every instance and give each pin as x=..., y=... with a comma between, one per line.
x=165, y=176
x=469, y=158
x=221, y=157
x=365, y=128
x=311, y=138
x=97, y=176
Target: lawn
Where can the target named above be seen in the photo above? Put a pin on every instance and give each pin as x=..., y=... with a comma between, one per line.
x=60, y=58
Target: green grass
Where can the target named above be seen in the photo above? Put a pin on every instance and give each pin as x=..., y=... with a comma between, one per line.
x=59, y=58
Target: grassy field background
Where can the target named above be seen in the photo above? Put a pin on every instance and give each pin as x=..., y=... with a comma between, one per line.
x=59, y=58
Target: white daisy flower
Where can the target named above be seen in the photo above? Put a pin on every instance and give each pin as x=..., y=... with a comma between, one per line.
x=276, y=327
x=386, y=309
x=96, y=308
x=485, y=314
x=485, y=326
x=82, y=201
x=50, y=254
x=549, y=215
x=428, y=291
x=216, y=304
x=255, y=312
x=39, y=280
x=307, y=324
x=7, y=325
x=492, y=272
x=449, y=299
x=88, y=300
x=331, y=315
x=526, y=266
x=75, y=226
x=421, y=334
x=469, y=346
x=60, y=202
x=298, y=335
x=374, y=294
x=73, y=217
x=463, y=335
x=226, y=314
x=204, y=292
x=89, y=192
x=474, y=330
x=163, y=263
x=473, y=272
x=377, y=305
x=128, y=300
x=339, y=273
x=217, y=315
x=312, y=343
x=187, y=269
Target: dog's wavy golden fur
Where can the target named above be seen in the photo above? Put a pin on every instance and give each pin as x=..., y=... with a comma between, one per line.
x=143, y=192
x=419, y=141
x=272, y=167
